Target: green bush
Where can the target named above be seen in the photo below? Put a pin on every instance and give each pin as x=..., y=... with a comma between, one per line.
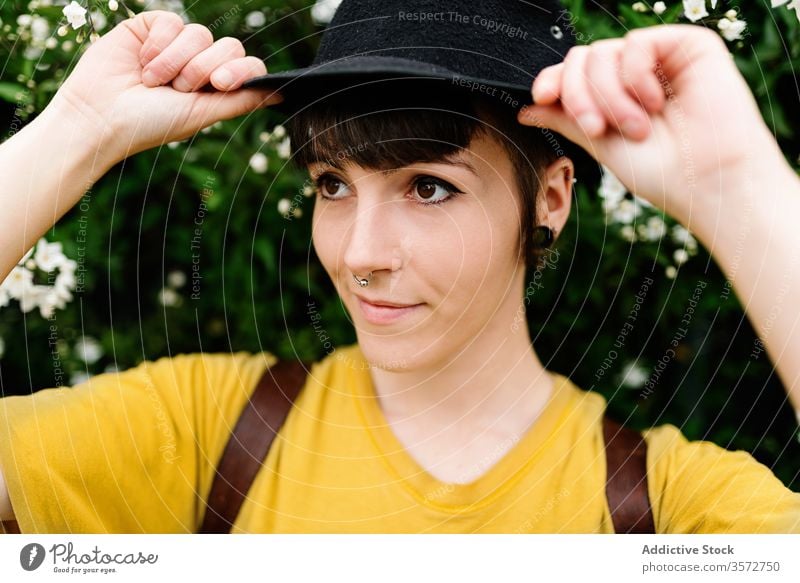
x=183, y=248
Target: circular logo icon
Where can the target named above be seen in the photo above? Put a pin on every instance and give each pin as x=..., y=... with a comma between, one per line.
x=31, y=556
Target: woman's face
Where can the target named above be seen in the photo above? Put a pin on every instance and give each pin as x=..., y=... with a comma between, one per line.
x=441, y=237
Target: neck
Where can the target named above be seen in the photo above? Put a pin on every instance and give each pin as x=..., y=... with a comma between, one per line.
x=495, y=383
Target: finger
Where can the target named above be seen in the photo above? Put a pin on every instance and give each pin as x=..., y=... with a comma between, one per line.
x=553, y=117
x=160, y=28
x=547, y=85
x=232, y=74
x=605, y=84
x=196, y=73
x=193, y=39
x=640, y=74
x=576, y=99
x=221, y=106
x=659, y=56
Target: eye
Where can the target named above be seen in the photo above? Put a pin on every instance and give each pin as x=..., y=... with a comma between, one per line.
x=429, y=187
x=328, y=185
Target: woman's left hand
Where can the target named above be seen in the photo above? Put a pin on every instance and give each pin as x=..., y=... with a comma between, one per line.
x=679, y=126
x=664, y=108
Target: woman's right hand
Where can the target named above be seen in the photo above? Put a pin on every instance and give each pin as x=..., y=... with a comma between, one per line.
x=136, y=87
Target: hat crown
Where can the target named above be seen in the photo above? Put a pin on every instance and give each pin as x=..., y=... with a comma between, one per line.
x=502, y=41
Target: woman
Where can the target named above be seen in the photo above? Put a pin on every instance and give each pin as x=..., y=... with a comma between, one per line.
x=441, y=418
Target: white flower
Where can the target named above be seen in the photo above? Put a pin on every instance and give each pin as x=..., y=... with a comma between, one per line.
x=48, y=300
x=628, y=233
x=776, y=3
x=169, y=297
x=32, y=53
x=731, y=14
x=278, y=132
x=4, y=297
x=75, y=14
x=113, y=5
x=30, y=296
x=264, y=136
x=639, y=7
x=20, y=279
x=682, y=236
x=259, y=162
x=322, y=12
x=24, y=19
x=694, y=10
x=40, y=29
x=88, y=349
x=308, y=190
x=284, y=206
x=680, y=256
x=626, y=212
x=48, y=255
x=634, y=375
x=285, y=149
x=670, y=271
x=659, y=8
x=612, y=191
x=733, y=30
x=79, y=377
x=255, y=19
x=99, y=20
x=176, y=279
x=713, y=3
x=653, y=230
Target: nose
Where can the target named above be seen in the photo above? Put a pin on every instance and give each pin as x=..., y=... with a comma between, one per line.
x=371, y=243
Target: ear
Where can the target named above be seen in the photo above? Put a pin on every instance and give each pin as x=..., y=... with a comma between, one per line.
x=556, y=194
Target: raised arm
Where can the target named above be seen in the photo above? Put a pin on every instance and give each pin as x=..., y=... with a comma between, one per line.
x=668, y=112
x=135, y=88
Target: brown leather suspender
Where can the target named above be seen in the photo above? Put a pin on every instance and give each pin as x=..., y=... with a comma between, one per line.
x=247, y=448
x=272, y=399
x=626, y=479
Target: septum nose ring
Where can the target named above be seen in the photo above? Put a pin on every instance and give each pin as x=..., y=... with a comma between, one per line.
x=362, y=282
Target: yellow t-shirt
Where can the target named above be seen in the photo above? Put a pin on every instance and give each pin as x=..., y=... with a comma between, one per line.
x=135, y=451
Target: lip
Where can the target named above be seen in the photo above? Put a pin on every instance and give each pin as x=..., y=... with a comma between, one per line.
x=384, y=314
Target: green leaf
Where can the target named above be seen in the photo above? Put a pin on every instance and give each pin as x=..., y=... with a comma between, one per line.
x=15, y=93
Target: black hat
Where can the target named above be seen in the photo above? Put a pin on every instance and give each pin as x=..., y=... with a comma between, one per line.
x=495, y=47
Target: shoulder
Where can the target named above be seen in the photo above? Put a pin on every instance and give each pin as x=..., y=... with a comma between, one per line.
x=698, y=486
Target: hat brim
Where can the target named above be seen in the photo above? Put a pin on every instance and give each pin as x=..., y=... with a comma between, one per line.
x=303, y=86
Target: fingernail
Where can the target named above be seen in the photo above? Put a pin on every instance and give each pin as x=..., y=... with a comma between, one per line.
x=223, y=77
x=149, y=78
x=630, y=127
x=591, y=123
x=539, y=92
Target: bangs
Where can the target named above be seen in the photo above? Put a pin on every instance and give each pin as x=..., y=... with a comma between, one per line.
x=385, y=126
x=381, y=127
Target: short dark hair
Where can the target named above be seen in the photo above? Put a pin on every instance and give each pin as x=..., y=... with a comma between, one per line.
x=383, y=126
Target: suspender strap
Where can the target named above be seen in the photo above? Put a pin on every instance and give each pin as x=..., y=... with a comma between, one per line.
x=272, y=399
x=626, y=479
x=248, y=445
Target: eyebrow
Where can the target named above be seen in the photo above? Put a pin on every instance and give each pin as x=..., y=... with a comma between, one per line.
x=453, y=161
